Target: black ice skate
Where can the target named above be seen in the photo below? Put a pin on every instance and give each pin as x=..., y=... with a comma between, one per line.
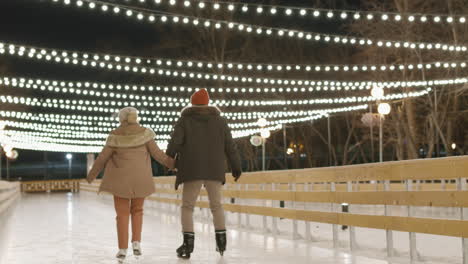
x=221, y=241
x=186, y=249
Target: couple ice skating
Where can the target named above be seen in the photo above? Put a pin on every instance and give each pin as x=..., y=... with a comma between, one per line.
x=201, y=141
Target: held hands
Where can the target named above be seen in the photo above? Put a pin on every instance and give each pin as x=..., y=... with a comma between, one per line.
x=89, y=180
x=170, y=163
x=236, y=174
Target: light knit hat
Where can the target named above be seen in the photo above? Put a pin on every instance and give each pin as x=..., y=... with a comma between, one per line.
x=129, y=115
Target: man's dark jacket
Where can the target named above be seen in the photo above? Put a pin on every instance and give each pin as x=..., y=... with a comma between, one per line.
x=202, y=141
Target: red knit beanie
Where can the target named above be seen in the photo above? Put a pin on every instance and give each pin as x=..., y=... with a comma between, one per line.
x=200, y=97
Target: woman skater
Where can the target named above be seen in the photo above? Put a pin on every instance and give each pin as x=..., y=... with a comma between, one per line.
x=126, y=158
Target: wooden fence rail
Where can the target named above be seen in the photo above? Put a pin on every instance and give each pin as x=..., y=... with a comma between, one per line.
x=49, y=186
x=437, y=183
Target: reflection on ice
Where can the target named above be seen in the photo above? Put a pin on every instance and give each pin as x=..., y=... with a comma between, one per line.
x=80, y=228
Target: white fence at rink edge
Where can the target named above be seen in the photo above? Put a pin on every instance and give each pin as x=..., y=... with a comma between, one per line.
x=9, y=192
x=405, y=209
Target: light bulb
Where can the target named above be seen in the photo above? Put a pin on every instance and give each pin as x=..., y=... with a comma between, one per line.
x=262, y=122
x=377, y=92
x=265, y=133
x=384, y=108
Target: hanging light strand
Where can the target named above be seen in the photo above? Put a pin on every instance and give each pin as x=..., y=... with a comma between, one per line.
x=87, y=120
x=107, y=106
x=113, y=90
x=170, y=73
x=144, y=65
x=313, y=13
x=153, y=17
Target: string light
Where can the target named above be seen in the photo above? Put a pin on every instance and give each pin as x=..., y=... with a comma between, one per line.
x=302, y=11
x=309, y=36
x=106, y=106
x=43, y=140
x=99, y=127
x=144, y=64
x=107, y=127
x=98, y=89
x=88, y=120
x=33, y=143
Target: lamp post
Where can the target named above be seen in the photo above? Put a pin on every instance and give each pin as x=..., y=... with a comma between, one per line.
x=69, y=158
x=384, y=109
x=264, y=134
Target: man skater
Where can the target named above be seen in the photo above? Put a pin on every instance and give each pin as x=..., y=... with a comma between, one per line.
x=202, y=141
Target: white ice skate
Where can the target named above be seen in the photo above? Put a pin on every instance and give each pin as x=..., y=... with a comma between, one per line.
x=136, y=248
x=121, y=255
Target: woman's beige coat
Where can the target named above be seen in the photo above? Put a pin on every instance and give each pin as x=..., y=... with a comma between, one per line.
x=126, y=158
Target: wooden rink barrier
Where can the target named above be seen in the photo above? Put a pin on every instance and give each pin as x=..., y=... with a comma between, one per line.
x=9, y=192
x=51, y=185
x=436, y=183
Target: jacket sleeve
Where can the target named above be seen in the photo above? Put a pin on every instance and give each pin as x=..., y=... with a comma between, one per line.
x=231, y=150
x=100, y=163
x=177, y=139
x=158, y=154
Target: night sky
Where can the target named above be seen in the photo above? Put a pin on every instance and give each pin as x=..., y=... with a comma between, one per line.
x=52, y=25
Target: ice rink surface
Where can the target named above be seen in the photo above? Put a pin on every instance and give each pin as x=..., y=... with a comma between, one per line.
x=65, y=228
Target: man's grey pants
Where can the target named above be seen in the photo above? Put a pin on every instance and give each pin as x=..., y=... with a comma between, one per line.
x=190, y=193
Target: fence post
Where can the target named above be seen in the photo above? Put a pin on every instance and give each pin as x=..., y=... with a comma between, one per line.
x=307, y=188
x=274, y=219
x=389, y=233
x=264, y=218
x=352, y=230
x=461, y=186
x=442, y=184
x=293, y=188
x=239, y=216
x=412, y=235
x=335, y=226
x=247, y=216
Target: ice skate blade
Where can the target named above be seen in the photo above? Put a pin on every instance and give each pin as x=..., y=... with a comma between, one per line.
x=183, y=256
x=220, y=252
